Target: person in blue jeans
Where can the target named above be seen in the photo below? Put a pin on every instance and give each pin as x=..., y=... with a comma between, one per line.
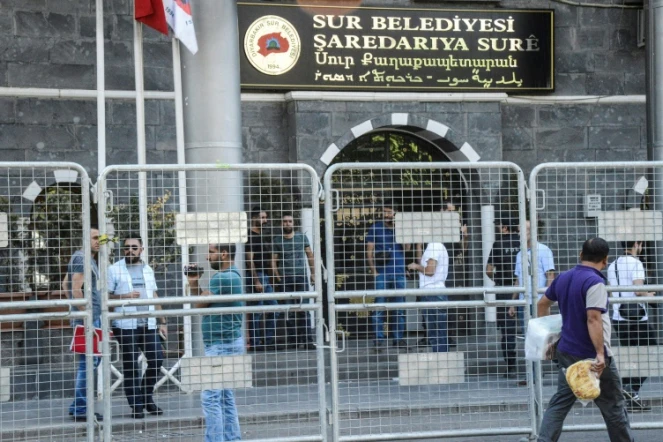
x=386, y=260
x=258, y=263
x=433, y=269
x=222, y=335
x=75, y=279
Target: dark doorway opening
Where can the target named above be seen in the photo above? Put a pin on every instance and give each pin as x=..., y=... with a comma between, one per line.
x=361, y=193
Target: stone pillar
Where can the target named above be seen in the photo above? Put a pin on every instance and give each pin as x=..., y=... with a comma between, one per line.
x=212, y=115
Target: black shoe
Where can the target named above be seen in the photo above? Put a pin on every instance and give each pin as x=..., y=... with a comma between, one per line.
x=83, y=417
x=378, y=346
x=153, y=409
x=511, y=372
x=137, y=414
x=400, y=343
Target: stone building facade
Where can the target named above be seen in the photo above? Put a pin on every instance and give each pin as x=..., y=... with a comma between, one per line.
x=50, y=44
x=597, y=111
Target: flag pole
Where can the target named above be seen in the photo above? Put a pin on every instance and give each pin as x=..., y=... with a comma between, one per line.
x=179, y=136
x=140, y=136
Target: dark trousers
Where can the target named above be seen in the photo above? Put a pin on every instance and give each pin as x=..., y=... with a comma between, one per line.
x=633, y=334
x=138, y=388
x=263, y=334
x=508, y=326
x=610, y=402
x=297, y=324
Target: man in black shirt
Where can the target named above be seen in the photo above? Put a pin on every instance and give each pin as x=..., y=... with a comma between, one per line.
x=258, y=262
x=500, y=268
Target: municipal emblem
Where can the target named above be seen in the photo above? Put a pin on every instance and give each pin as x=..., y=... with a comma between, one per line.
x=272, y=45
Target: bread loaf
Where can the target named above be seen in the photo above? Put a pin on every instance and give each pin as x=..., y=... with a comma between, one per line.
x=583, y=381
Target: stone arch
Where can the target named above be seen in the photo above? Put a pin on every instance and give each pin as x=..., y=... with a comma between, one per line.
x=53, y=250
x=426, y=128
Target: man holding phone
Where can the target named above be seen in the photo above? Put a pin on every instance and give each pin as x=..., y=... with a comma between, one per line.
x=131, y=278
x=222, y=335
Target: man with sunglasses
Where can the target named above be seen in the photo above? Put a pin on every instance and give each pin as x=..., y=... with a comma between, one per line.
x=131, y=278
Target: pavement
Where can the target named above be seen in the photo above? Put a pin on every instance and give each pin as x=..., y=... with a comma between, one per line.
x=292, y=411
x=284, y=403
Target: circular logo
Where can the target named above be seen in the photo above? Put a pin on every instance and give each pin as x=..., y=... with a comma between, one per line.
x=272, y=45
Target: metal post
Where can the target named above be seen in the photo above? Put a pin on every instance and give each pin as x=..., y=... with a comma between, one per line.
x=655, y=113
x=101, y=87
x=487, y=240
x=140, y=136
x=181, y=177
x=105, y=321
x=212, y=117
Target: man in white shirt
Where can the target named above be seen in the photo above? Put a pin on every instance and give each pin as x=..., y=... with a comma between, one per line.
x=433, y=270
x=545, y=268
x=131, y=278
x=631, y=331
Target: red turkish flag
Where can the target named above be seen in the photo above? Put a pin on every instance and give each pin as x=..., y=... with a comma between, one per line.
x=152, y=14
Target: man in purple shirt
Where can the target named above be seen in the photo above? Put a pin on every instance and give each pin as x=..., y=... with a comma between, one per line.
x=583, y=303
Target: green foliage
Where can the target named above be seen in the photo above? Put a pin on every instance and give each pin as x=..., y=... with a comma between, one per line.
x=57, y=223
x=162, y=243
x=386, y=147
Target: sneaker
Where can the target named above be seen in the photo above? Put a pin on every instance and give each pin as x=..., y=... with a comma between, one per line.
x=83, y=417
x=378, y=346
x=634, y=403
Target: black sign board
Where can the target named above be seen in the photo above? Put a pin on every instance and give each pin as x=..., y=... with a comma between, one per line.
x=395, y=49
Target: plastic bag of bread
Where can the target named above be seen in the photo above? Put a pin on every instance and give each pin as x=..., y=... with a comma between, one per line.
x=583, y=381
x=542, y=336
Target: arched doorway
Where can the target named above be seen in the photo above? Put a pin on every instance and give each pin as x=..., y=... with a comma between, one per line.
x=57, y=232
x=361, y=194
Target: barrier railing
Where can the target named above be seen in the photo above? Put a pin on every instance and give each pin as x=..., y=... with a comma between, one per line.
x=408, y=357
x=45, y=255
x=572, y=202
x=247, y=339
x=428, y=361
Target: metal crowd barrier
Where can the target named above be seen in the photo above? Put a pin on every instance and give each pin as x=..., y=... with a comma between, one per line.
x=406, y=387
x=407, y=380
x=44, y=219
x=572, y=202
x=263, y=357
